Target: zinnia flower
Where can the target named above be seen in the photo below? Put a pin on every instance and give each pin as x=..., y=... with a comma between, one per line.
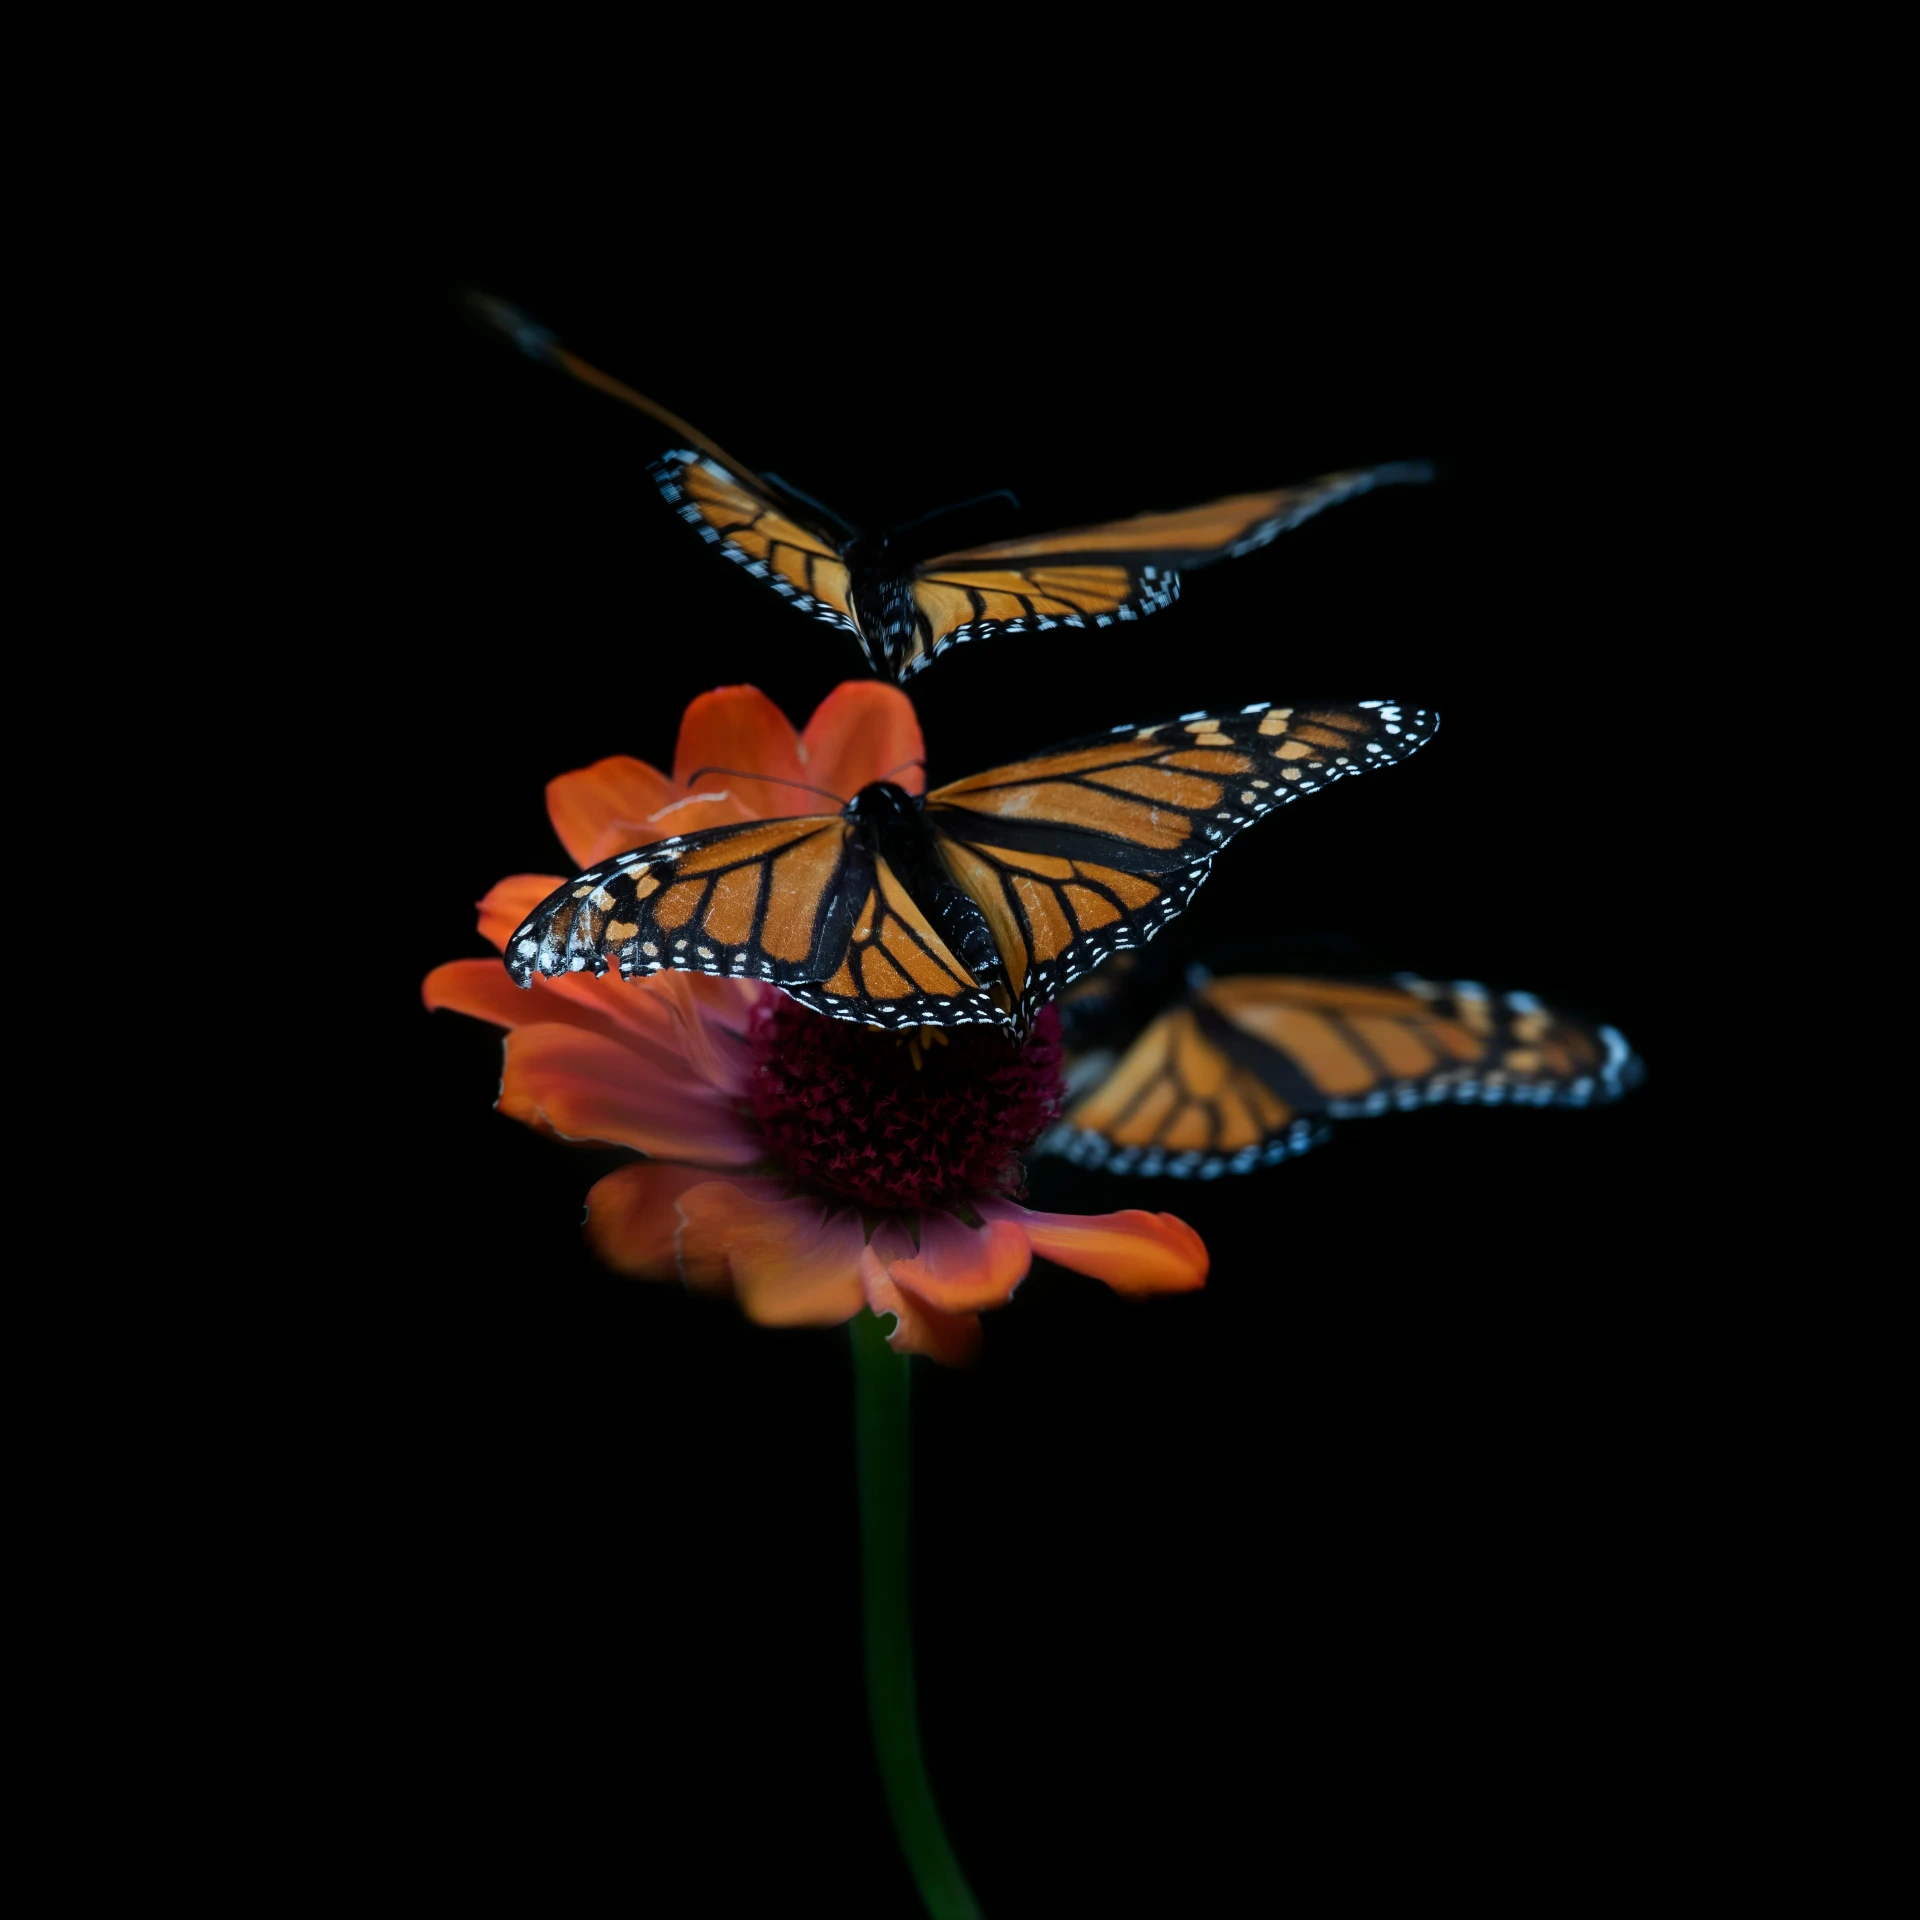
x=806, y=1166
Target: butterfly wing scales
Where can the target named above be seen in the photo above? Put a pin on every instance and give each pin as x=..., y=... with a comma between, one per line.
x=1069, y=857
x=954, y=602
x=1092, y=576
x=756, y=531
x=753, y=521
x=798, y=903
x=1290, y=1054
x=1091, y=849
x=1117, y=571
x=1190, y=536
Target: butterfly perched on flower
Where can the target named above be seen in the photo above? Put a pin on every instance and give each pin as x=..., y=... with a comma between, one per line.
x=1246, y=1070
x=974, y=903
x=905, y=611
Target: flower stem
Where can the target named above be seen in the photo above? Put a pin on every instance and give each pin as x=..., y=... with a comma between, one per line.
x=880, y=1385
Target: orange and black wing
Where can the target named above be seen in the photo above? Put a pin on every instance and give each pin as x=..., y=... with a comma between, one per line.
x=1248, y=1069
x=1098, y=576
x=755, y=522
x=1093, y=848
x=744, y=519
x=799, y=903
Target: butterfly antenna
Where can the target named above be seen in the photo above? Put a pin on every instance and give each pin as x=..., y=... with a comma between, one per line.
x=961, y=506
x=538, y=344
x=819, y=506
x=902, y=767
x=1404, y=473
x=528, y=335
x=769, y=779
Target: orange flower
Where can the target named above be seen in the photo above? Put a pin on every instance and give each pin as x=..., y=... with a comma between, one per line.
x=860, y=732
x=802, y=1165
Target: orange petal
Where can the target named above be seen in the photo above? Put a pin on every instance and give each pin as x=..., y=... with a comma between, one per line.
x=632, y=1092
x=788, y=1262
x=1133, y=1252
x=632, y=1218
x=482, y=989
x=510, y=903
x=960, y=1268
x=951, y=1338
x=741, y=729
x=863, y=731
x=606, y=808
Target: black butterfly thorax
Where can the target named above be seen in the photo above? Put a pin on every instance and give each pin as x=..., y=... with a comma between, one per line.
x=891, y=824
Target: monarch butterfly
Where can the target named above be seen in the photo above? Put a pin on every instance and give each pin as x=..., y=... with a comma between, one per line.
x=1247, y=1070
x=906, y=612
x=973, y=903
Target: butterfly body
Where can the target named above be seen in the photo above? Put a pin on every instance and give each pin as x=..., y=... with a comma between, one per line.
x=976, y=902
x=883, y=608
x=892, y=825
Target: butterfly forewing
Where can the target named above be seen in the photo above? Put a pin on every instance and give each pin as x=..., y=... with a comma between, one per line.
x=769, y=537
x=1091, y=849
x=1248, y=1069
x=1118, y=571
x=756, y=899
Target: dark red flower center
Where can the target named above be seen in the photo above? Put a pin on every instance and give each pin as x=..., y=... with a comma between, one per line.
x=898, y=1122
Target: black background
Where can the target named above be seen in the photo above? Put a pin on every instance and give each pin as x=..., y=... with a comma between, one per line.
x=1369, y=1554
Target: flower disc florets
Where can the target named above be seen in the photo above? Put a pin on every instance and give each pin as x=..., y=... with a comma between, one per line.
x=899, y=1123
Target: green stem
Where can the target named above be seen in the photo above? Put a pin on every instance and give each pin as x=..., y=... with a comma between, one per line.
x=880, y=1383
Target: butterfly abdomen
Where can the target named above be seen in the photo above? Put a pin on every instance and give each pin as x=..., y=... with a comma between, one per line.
x=893, y=825
x=883, y=604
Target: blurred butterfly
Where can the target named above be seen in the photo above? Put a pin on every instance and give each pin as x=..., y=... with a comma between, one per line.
x=975, y=902
x=906, y=612
x=1247, y=1070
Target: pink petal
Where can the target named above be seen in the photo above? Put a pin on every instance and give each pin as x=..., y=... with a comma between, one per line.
x=788, y=1262
x=632, y=1092
x=739, y=728
x=604, y=809
x=1133, y=1251
x=864, y=730
x=482, y=990
x=951, y=1338
x=701, y=1019
x=962, y=1269
x=510, y=903
x=708, y=1020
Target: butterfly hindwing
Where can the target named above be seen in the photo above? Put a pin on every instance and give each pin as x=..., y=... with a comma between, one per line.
x=893, y=967
x=1091, y=849
x=1248, y=1069
x=1179, y=1101
x=954, y=602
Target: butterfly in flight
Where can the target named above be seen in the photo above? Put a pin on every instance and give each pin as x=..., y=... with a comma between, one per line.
x=1246, y=1070
x=977, y=902
x=905, y=612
